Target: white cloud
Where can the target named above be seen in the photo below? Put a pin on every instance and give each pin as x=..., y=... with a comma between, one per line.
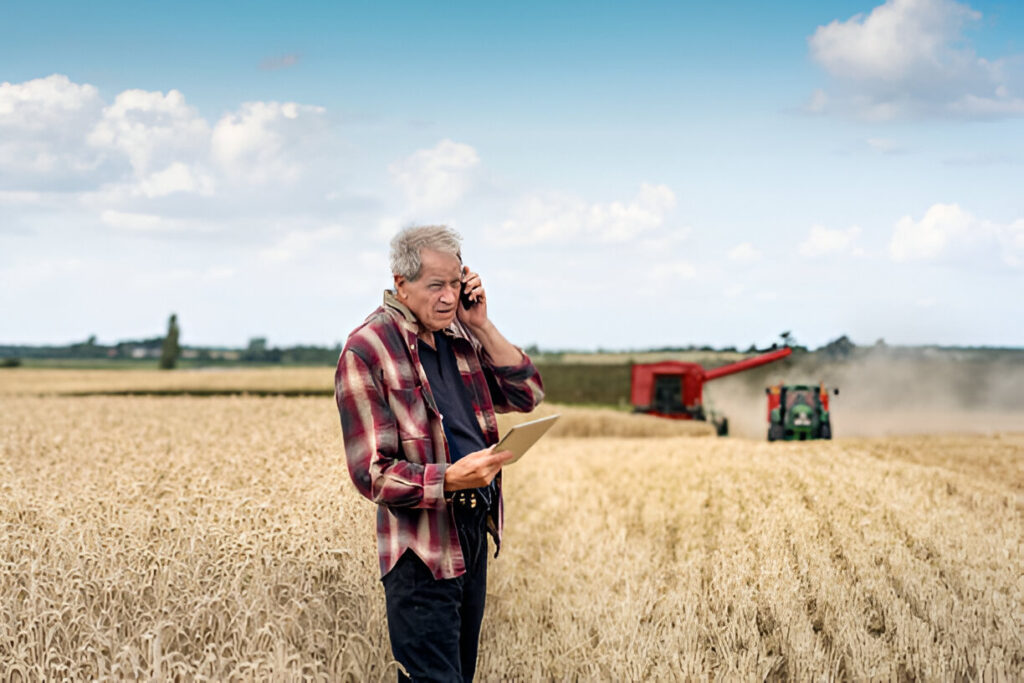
x=949, y=231
x=59, y=136
x=42, y=103
x=265, y=142
x=43, y=125
x=437, y=177
x=928, y=238
x=558, y=218
x=744, y=253
x=821, y=241
x=178, y=177
x=151, y=129
x=910, y=58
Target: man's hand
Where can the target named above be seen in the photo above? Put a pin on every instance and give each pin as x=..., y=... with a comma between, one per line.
x=475, y=470
x=476, y=315
x=502, y=353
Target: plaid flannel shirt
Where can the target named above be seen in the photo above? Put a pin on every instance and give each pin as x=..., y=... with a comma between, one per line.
x=394, y=440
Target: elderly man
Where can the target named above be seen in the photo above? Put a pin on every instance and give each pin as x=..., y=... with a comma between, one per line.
x=417, y=387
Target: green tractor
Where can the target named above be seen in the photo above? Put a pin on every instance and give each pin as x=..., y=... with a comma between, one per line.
x=798, y=412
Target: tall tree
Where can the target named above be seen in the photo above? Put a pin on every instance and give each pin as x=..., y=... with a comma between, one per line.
x=170, y=350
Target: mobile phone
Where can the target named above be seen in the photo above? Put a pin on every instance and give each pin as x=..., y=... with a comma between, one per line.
x=467, y=303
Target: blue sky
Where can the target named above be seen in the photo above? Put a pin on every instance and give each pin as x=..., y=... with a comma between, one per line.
x=624, y=176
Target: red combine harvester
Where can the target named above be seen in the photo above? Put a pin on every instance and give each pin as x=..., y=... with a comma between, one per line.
x=675, y=389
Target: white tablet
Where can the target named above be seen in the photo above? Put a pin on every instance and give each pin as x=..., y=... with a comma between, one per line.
x=522, y=436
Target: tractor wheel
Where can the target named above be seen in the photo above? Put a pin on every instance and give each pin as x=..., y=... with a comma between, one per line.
x=722, y=427
x=826, y=431
x=775, y=433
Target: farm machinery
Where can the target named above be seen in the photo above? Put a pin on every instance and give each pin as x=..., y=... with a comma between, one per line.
x=675, y=389
x=798, y=412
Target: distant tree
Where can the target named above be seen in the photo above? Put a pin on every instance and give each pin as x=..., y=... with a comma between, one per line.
x=838, y=349
x=256, y=352
x=170, y=350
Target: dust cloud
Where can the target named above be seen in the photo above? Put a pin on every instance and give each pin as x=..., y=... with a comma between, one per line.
x=886, y=392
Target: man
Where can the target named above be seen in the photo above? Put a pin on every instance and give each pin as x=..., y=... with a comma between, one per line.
x=417, y=387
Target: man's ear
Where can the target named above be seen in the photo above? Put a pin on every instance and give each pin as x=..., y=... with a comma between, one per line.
x=399, y=282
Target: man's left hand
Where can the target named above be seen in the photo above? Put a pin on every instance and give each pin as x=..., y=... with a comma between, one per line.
x=476, y=315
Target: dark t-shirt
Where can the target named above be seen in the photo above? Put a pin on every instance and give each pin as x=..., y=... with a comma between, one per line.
x=460, y=426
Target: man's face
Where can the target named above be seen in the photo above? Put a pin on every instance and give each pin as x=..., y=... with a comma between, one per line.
x=434, y=296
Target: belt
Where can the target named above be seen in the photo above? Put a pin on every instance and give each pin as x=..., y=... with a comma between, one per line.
x=468, y=500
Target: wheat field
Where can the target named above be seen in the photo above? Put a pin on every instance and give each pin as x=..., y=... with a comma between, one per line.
x=220, y=539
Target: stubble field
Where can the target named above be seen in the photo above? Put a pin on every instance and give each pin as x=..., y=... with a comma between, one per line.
x=220, y=538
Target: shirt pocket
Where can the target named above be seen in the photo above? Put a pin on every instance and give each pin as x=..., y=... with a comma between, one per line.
x=410, y=410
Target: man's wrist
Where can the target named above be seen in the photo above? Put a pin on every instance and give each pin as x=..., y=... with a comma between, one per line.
x=483, y=330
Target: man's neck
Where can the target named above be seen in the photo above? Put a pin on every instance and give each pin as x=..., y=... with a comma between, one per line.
x=427, y=337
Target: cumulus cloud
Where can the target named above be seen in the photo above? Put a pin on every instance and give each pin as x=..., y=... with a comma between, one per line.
x=948, y=228
x=910, y=58
x=559, y=218
x=438, y=177
x=821, y=241
x=178, y=177
x=261, y=142
x=43, y=128
x=151, y=129
x=57, y=135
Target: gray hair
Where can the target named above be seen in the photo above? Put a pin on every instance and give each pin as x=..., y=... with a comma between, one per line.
x=406, y=246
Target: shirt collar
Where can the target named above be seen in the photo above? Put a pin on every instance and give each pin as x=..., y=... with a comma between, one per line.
x=412, y=323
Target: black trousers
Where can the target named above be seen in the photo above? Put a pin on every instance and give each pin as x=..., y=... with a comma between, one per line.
x=435, y=624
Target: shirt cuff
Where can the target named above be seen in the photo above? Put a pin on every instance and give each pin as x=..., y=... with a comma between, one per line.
x=519, y=371
x=433, y=485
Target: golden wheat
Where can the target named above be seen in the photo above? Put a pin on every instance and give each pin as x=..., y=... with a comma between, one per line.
x=220, y=538
x=217, y=379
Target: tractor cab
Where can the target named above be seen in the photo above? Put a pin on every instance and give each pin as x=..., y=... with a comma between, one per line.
x=798, y=412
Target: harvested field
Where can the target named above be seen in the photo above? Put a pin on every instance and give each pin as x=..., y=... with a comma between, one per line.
x=216, y=380
x=220, y=538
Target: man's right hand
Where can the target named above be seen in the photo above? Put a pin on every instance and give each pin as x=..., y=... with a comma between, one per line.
x=475, y=470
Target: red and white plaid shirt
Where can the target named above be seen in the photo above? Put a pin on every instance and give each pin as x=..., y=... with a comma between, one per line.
x=394, y=441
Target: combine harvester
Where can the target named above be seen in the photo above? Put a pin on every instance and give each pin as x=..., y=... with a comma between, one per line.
x=675, y=389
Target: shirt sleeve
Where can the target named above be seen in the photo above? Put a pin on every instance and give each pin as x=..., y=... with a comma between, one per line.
x=372, y=446
x=514, y=388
